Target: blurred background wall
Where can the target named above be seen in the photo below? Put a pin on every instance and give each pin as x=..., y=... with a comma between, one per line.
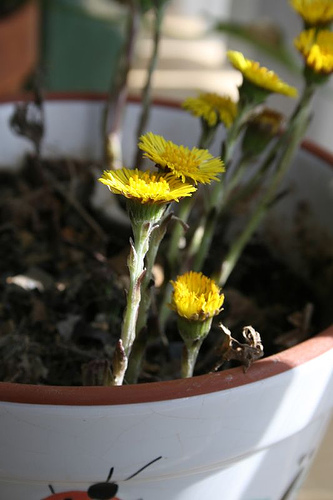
x=81, y=41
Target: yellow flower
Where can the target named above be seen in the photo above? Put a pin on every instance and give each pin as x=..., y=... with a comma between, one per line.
x=195, y=165
x=317, y=50
x=146, y=187
x=259, y=75
x=196, y=297
x=314, y=12
x=212, y=108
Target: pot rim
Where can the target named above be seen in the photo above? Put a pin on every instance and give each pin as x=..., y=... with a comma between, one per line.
x=173, y=389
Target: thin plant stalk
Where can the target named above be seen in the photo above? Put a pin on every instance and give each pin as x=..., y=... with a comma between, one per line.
x=140, y=343
x=190, y=353
x=289, y=141
x=139, y=248
x=206, y=229
x=146, y=96
x=115, y=106
x=206, y=138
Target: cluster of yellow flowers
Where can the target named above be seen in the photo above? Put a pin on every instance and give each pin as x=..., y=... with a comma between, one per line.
x=315, y=44
x=197, y=298
x=180, y=169
x=314, y=12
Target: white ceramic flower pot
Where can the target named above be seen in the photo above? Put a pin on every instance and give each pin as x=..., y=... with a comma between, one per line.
x=228, y=435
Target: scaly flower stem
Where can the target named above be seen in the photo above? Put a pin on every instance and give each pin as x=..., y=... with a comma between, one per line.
x=289, y=142
x=159, y=10
x=139, y=346
x=115, y=106
x=190, y=353
x=139, y=248
x=247, y=189
x=177, y=232
x=207, y=135
x=236, y=177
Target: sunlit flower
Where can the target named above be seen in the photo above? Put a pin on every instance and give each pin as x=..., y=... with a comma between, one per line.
x=317, y=50
x=146, y=187
x=314, y=12
x=196, y=297
x=259, y=75
x=212, y=108
x=192, y=165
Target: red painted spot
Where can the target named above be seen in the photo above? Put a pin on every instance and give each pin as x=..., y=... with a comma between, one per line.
x=69, y=495
x=72, y=495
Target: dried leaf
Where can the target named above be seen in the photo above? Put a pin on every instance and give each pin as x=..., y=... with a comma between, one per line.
x=119, y=363
x=97, y=372
x=246, y=353
x=28, y=117
x=302, y=321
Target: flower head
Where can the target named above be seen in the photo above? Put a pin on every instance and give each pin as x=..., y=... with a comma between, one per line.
x=196, y=297
x=260, y=76
x=259, y=131
x=212, y=108
x=317, y=50
x=192, y=165
x=268, y=120
x=146, y=187
x=314, y=12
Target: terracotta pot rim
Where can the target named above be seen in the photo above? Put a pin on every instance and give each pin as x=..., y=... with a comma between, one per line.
x=174, y=389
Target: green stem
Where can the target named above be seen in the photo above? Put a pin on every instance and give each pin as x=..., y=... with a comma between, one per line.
x=177, y=232
x=207, y=227
x=136, y=258
x=200, y=246
x=164, y=309
x=140, y=343
x=236, y=176
x=136, y=267
x=205, y=140
x=190, y=353
x=207, y=135
x=147, y=280
x=288, y=143
x=146, y=93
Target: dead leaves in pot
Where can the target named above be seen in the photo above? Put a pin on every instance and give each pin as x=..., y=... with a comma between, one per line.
x=97, y=372
x=302, y=323
x=232, y=349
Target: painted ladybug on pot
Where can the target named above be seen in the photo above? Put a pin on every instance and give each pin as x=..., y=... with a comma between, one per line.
x=98, y=491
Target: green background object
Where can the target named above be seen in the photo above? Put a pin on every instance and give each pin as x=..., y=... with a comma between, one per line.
x=81, y=44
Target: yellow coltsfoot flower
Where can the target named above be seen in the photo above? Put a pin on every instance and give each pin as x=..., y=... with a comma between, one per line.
x=146, y=187
x=191, y=165
x=212, y=108
x=196, y=297
x=317, y=50
x=260, y=76
x=147, y=193
x=314, y=12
